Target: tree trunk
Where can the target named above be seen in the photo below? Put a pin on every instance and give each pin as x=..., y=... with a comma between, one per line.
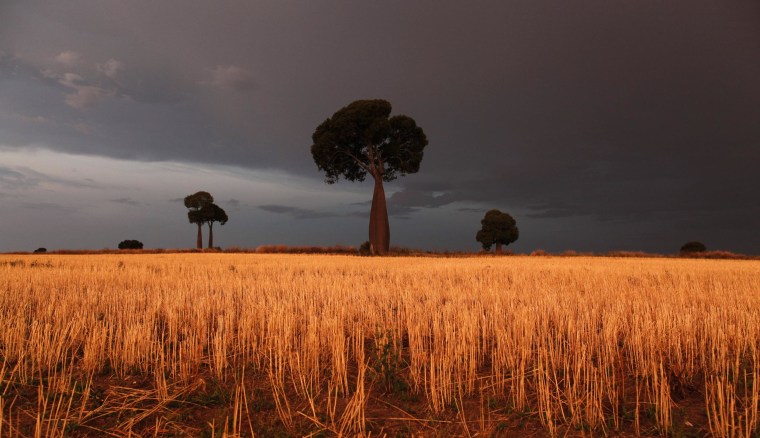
x=379, y=229
x=210, y=235
x=498, y=248
x=199, y=240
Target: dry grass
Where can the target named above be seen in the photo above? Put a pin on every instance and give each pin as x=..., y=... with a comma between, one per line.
x=238, y=344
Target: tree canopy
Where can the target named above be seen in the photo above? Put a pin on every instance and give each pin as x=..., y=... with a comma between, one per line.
x=497, y=228
x=198, y=200
x=213, y=213
x=130, y=244
x=362, y=138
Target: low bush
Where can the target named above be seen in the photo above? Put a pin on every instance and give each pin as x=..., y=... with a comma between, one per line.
x=130, y=244
x=692, y=247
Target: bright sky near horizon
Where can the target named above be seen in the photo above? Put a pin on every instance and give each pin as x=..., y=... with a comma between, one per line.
x=599, y=126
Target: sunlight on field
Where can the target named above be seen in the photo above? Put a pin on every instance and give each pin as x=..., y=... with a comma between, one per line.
x=121, y=343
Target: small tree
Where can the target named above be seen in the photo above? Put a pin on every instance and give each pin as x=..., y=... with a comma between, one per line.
x=362, y=139
x=130, y=244
x=40, y=250
x=211, y=213
x=692, y=247
x=195, y=203
x=497, y=228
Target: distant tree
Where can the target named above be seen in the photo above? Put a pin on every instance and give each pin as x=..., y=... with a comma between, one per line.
x=130, y=244
x=692, y=247
x=211, y=213
x=40, y=250
x=195, y=203
x=497, y=228
x=362, y=139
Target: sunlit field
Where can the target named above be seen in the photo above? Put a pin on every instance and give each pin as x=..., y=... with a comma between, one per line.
x=291, y=345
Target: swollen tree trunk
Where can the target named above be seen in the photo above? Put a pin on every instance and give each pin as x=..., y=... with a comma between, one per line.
x=199, y=241
x=210, y=235
x=379, y=229
x=498, y=248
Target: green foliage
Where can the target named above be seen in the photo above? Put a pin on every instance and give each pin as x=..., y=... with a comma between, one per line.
x=197, y=200
x=387, y=363
x=195, y=203
x=215, y=395
x=211, y=213
x=130, y=244
x=361, y=138
x=497, y=228
x=691, y=247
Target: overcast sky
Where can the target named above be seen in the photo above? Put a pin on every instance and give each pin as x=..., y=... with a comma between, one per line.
x=599, y=125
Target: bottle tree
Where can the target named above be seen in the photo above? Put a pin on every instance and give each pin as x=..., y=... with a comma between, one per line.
x=363, y=139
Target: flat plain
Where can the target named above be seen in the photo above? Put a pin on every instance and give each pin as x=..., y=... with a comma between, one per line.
x=327, y=345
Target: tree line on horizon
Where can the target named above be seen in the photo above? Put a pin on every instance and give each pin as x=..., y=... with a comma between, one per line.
x=359, y=140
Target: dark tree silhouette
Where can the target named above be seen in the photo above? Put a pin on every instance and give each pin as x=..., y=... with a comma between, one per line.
x=498, y=228
x=361, y=139
x=195, y=203
x=40, y=250
x=130, y=244
x=691, y=247
x=211, y=213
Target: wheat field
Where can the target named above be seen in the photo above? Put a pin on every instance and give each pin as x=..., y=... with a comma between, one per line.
x=319, y=345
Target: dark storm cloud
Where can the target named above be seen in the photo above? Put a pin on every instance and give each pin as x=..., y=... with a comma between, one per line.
x=623, y=113
x=232, y=77
x=410, y=197
x=296, y=212
x=399, y=211
x=126, y=201
x=403, y=203
x=47, y=206
x=551, y=211
x=18, y=178
x=12, y=179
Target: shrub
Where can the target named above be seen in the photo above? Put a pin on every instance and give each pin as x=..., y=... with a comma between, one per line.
x=130, y=244
x=720, y=255
x=40, y=250
x=692, y=247
x=364, y=249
